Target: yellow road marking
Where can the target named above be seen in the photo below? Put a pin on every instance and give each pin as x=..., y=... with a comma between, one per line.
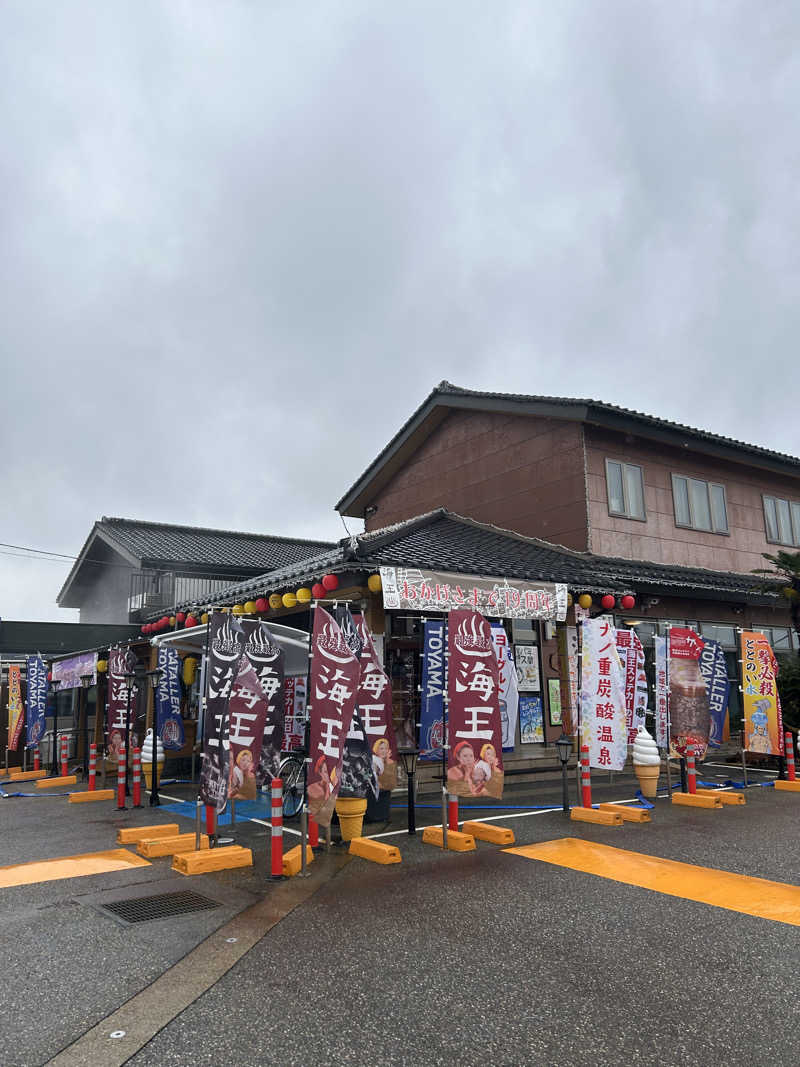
x=722, y=889
x=115, y=859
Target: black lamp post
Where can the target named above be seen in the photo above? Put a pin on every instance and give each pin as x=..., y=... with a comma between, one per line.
x=409, y=758
x=55, y=683
x=155, y=678
x=86, y=681
x=130, y=678
x=564, y=746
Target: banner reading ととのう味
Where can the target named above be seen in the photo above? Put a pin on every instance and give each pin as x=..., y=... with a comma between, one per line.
x=763, y=719
x=475, y=764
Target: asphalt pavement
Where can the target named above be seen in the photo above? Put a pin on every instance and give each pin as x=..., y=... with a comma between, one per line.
x=445, y=958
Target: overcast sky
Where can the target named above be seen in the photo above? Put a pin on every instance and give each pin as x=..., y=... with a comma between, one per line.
x=241, y=241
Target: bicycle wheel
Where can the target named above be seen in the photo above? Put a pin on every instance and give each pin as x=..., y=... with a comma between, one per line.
x=291, y=774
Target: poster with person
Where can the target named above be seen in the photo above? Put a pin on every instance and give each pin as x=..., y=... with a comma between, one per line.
x=374, y=702
x=475, y=762
x=226, y=643
x=121, y=662
x=689, y=712
x=247, y=712
x=509, y=693
x=763, y=720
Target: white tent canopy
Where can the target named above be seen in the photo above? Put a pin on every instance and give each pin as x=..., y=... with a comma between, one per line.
x=293, y=642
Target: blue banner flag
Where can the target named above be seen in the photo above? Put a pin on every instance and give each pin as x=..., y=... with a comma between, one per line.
x=36, y=700
x=169, y=724
x=434, y=683
x=715, y=674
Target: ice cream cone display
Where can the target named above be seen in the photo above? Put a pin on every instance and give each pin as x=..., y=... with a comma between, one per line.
x=351, y=812
x=147, y=758
x=646, y=762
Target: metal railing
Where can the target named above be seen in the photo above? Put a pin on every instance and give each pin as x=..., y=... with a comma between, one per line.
x=152, y=591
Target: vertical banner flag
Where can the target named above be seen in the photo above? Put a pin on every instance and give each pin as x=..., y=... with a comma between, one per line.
x=475, y=763
x=121, y=661
x=374, y=702
x=567, y=637
x=662, y=694
x=267, y=660
x=36, y=673
x=357, y=777
x=715, y=674
x=247, y=710
x=509, y=693
x=334, y=680
x=688, y=698
x=226, y=643
x=763, y=722
x=431, y=730
x=602, y=697
x=294, y=701
x=169, y=724
x=15, y=706
x=631, y=654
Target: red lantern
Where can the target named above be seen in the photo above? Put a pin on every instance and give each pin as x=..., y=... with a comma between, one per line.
x=144, y=629
x=318, y=591
x=608, y=601
x=330, y=582
x=190, y=621
x=628, y=602
x=164, y=622
x=261, y=604
x=49, y=676
x=181, y=616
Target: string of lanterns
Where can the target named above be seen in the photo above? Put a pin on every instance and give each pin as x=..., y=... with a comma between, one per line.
x=329, y=583
x=607, y=602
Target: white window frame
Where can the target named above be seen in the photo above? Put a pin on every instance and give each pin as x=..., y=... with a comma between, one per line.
x=691, y=524
x=626, y=513
x=793, y=522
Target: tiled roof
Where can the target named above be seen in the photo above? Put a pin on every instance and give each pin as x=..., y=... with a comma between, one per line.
x=445, y=394
x=196, y=546
x=441, y=540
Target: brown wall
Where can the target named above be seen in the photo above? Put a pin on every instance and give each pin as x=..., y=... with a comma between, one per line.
x=658, y=538
x=524, y=474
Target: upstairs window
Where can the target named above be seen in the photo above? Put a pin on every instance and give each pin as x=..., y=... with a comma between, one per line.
x=625, y=490
x=699, y=505
x=782, y=519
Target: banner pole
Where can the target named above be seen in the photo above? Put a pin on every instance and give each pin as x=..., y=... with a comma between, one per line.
x=304, y=873
x=445, y=741
x=740, y=631
x=579, y=658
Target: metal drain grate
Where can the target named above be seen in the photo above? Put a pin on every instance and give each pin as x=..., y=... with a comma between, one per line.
x=161, y=906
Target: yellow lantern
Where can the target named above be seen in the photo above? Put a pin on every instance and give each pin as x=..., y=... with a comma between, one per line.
x=289, y=600
x=250, y=607
x=225, y=610
x=569, y=600
x=585, y=601
x=374, y=583
x=189, y=670
x=275, y=601
x=102, y=666
x=204, y=618
x=238, y=609
x=172, y=620
x=303, y=596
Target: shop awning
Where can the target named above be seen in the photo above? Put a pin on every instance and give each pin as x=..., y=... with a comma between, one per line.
x=293, y=642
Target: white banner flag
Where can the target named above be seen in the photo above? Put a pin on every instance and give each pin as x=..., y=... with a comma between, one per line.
x=662, y=694
x=602, y=695
x=509, y=694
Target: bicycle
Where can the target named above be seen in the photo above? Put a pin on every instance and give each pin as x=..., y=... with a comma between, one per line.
x=290, y=773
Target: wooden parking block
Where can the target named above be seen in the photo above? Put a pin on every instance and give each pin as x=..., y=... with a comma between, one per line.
x=625, y=813
x=26, y=776
x=374, y=850
x=484, y=831
x=293, y=860
x=788, y=787
x=603, y=818
x=724, y=798
x=223, y=858
x=695, y=800
x=56, y=783
x=88, y=797
x=456, y=841
x=132, y=835
x=153, y=847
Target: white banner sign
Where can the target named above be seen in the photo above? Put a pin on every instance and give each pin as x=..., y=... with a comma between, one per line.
x=662, y=694
x=509, y=695
x=507, y=598
x=602, y=697
x=527, y=657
